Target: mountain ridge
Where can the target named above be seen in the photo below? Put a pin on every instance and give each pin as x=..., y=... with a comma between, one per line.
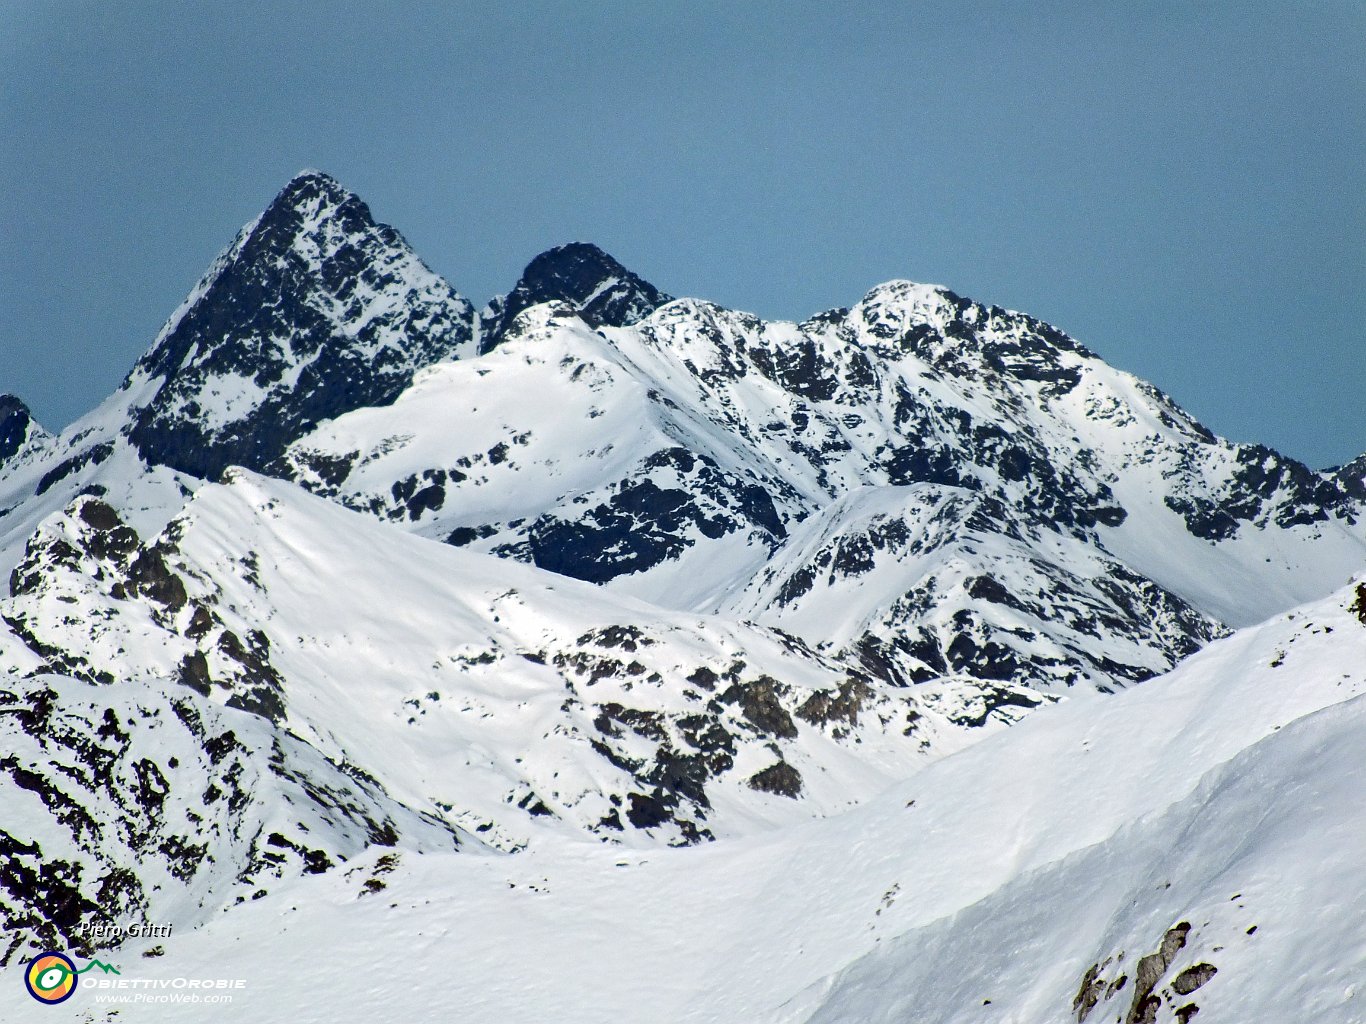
x=592, y=566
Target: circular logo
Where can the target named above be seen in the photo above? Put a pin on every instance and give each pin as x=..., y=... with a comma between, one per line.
x=50, y=978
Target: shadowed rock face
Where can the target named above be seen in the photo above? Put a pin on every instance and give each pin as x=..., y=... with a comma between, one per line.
x=1108, y=979
x=15, y=421
x=599, y=288
x=315, y=310
x=1351, y=479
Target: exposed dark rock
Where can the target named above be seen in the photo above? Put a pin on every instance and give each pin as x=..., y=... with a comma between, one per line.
x=92, y=456
x=194, y=672
x=150, y=577
x=1192, y=978
x=1150, y=970
x=843, y=705
x=1358, y=605
x=640, y=524
x=1092, y=986
x=15, y=424
x=781, y=779
x=625, y=638
x=597, y=287
x=762, y=707
x=308, y=265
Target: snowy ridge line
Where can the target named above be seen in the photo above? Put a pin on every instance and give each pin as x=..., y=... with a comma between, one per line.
x=697, y=665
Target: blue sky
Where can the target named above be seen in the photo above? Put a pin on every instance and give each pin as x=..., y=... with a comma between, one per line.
x=1180, y=186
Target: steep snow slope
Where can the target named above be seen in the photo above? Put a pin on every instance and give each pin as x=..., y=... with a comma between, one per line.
x=91, y=457
x=146, y=802
x=549, y=447
x=498, y=697
x=985, y=887
x=1239, y=902
x=313, y=310
x=1039, y=515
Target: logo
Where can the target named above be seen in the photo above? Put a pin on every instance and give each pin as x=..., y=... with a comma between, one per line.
x=51, y=977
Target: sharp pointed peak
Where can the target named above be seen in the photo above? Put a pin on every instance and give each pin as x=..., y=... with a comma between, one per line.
x=314, y=310
x=310, y=173
x=312, y=178
x=312, y=192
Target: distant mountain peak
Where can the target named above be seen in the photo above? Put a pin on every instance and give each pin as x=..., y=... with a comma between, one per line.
x=314, y=176
x=10, y=404
x=314, y=310
x=15, y=424
x=309, y=201
x=571, y=261
x=582, y=275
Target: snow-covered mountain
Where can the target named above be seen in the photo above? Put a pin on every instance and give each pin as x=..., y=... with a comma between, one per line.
x=349, y=576
x=1115, y=858
x=940, y=485
x=312, y=311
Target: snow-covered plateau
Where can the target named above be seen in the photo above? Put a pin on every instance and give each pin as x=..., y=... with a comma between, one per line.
x=599, y=655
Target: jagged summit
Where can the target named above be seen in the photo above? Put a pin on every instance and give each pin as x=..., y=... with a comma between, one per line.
x=312, y=181
x=583, y=275
x=314, y=177
x=314, y=310
x=659, y=573
x=310, y=200
x=15, y=424
x=1351, y=478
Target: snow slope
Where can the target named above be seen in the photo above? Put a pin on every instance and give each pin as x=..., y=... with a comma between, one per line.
x=615, y=656
x=982, y=888
x=1004, y=504
x=499, y=698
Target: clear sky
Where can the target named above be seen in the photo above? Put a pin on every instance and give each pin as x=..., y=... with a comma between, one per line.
x=1178, y=185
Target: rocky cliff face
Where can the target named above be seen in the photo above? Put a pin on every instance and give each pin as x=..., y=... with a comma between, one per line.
x=17, y=428
x=315, y=310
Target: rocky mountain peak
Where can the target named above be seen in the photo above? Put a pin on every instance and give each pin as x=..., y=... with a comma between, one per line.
x=1352, y=478
x=314, y=215
x=18, y=428
x=310, y=184
x=582, y=275
x=313, y=311
x=15, y=423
